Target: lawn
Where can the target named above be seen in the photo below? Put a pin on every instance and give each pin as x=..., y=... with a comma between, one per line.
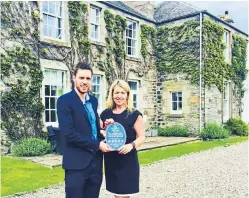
x=21, y=175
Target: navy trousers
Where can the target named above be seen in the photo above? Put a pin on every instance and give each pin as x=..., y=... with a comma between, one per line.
x=85, y=183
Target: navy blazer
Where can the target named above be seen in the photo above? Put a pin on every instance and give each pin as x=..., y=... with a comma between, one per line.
x=80, y=148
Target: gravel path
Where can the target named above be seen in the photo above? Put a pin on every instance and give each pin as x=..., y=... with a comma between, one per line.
x=217, y=173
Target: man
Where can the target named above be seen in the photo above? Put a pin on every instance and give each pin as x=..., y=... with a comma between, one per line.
x=79, y=122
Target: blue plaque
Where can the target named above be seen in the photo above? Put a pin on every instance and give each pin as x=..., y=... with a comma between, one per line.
x=115, y=135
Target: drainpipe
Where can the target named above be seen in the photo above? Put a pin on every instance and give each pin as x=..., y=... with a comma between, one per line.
x=200, y=125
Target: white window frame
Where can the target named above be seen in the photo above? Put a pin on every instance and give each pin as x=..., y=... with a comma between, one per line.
x=100, y=105
x=226, y=101
x=133, y=38
x=95, y=23
x=48, y=123
x=56, y=16
x=135, y=92
x=178, y=111
x=226, y=38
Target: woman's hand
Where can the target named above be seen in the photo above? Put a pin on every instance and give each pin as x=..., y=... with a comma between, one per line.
x=108, y=121
x=125, y=149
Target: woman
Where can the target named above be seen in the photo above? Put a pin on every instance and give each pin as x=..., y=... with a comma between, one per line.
x=122, y=167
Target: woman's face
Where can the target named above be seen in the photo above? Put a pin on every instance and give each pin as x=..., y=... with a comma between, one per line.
x=120, y=96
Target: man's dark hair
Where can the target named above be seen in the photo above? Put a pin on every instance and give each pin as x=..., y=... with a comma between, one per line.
x=81, y=65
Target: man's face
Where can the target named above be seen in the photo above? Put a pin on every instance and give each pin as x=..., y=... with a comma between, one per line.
x=83, y=80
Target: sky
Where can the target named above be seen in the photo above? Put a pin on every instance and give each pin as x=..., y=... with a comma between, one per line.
x=238, y=11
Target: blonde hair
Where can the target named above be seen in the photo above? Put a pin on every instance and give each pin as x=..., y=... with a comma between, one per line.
x=110, y=104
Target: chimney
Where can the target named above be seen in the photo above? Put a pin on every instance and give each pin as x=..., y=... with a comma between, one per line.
x=145, y=8
x=226, y=18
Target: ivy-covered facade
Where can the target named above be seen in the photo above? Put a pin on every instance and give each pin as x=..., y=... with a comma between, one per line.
x=43, y=41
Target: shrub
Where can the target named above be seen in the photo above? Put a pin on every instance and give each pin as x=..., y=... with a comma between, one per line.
x=31, y=147
x=214, y=131
x=177, y=131
x=237, y=126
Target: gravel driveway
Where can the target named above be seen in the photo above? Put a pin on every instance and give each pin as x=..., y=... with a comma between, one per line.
x=219, y=172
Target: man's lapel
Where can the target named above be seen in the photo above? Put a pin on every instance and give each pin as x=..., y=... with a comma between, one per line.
x=80, y=104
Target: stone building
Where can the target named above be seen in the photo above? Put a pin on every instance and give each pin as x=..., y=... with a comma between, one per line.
x=165, y=99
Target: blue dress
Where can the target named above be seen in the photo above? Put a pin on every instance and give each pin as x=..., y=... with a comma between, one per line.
x=122, y=170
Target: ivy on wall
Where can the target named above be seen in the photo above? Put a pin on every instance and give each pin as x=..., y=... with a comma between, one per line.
x=114, y=67
x=148, y=43
x=178, y=52
x=79, y=29
x=239, y=57
x=177, y=49
x=216, y=70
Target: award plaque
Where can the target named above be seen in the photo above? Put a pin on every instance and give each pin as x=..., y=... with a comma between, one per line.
x=115, y=135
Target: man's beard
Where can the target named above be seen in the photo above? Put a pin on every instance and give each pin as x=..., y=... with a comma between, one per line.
x=81, y=91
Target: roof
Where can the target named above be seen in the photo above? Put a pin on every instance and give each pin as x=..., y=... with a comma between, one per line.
x=169, y=10
x=121, y=6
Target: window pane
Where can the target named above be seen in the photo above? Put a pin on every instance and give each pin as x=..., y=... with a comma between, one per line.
x=47, y=116
x=45, y=6
x=93, y=16
x=174, y=97
x=53, y=78
x=58, y=33
x=45, y=30
x=52, y=103
x=133, y=85
x=135, y=97
x=47, y=90
x=58, y=10
x=59, y=91
x=96, y=88
x=96, y=31
x=180, y=106
x=46, y=103
x=50, y=31
x=129, y=25
x=135, y=104
x=51, y=21
x=174, y=106
x=179, y=96
x=133, y=43
x=129, y=51
x=97, y=17
x=53, y=115
x=52, y=8
x=134, y=25
x=44, y=19
x=53, y=90
x=130, y=33
x=129, y=42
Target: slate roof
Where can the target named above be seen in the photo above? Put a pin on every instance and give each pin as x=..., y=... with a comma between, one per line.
x=169, y=10
x=120, y=5
x=166, y=11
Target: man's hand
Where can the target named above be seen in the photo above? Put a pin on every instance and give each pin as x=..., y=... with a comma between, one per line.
x=103, y=133
x=108, y=121
x=104, y=147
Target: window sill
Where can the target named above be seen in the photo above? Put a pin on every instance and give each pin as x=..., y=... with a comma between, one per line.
x=180, y=115
x=55, y=42
x=132, y=58
x=98, y=43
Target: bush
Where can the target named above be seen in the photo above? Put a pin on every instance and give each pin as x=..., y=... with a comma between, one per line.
x=214, y=131
x=177, y=131
x=31, y=147
x=237, y=126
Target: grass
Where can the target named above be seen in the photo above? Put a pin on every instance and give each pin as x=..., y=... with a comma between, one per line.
x=149, y=156
x=24, y=176
x=21, y=175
